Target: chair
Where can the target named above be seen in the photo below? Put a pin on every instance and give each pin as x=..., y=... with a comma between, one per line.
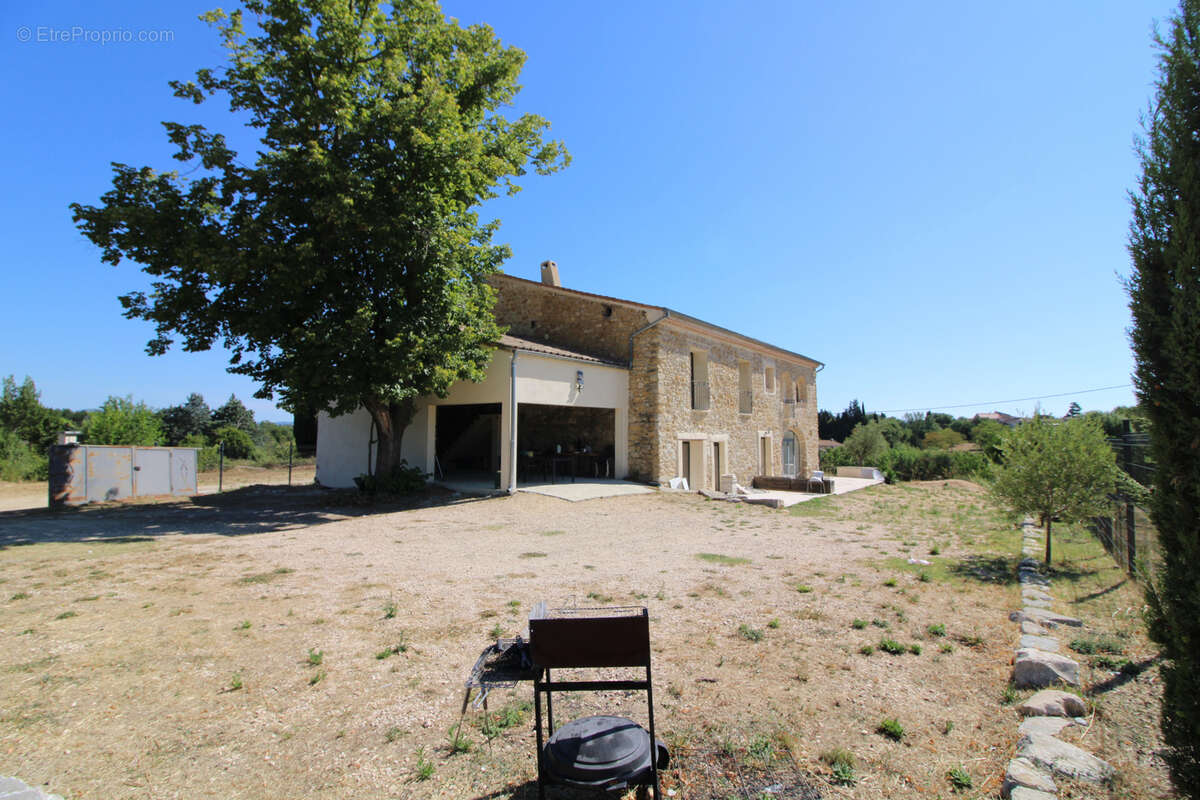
x=591, y=638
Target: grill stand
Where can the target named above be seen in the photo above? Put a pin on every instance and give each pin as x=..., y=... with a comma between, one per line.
x=590, y=638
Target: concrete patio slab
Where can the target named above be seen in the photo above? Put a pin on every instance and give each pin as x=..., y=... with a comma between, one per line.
x=840, y=486
x=590, y=489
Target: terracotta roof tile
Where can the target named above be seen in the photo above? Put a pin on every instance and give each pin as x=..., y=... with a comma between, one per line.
x=510, y=342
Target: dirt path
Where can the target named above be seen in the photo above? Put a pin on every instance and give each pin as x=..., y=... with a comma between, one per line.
x=34, y=495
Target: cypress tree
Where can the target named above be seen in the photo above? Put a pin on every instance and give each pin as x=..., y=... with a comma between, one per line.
x=1164, y=290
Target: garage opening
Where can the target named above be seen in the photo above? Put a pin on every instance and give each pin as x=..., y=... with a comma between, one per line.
x=564, y=442
x=467, y=442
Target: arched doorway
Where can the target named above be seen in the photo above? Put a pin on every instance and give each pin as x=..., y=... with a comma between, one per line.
x=789, y=452
x=793, y=455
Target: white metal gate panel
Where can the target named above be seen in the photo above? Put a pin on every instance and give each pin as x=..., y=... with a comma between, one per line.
x=151, y=471
x=109, y=473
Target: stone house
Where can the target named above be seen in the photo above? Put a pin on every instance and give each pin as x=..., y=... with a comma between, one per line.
x=604, y=387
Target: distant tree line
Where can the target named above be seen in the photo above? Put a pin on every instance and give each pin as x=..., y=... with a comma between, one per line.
x=28, y=428
x=933, y=445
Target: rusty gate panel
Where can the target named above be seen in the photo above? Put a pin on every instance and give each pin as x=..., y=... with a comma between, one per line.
x=68, y=485
x=81, y=473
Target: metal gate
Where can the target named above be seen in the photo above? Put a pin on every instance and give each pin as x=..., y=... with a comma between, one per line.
x=91, y=473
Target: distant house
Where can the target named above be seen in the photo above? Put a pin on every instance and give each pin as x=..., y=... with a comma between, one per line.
x=597, y=385
x=999, y=416
x=828, y=444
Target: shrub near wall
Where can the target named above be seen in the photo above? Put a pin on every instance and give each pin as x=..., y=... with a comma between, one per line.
x=19, y=461
x=908, y=463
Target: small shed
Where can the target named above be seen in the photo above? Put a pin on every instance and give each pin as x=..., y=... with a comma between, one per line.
x=91, y=473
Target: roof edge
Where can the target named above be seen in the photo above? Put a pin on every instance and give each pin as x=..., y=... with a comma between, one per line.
x=670, y=313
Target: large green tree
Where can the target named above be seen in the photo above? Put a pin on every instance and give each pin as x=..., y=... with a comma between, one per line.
x=122, y=421
x=344, y=264
x=1164, y=291
x=234, y=414
x=866, y=445
x=193, y=418
x=1057, y=469
x=22, y=412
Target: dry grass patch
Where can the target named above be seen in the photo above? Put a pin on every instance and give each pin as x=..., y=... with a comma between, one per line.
x=160, y=688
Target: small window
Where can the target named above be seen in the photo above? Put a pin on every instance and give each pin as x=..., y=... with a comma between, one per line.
x=745, y=392
x=769, y=379
x=699, y=380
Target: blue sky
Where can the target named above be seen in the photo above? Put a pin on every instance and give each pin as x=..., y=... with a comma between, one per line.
x=930, y=198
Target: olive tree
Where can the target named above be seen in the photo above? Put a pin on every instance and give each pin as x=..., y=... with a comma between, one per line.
x=1057, y=470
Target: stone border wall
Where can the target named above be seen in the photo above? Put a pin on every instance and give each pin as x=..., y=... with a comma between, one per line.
x=1040, y=756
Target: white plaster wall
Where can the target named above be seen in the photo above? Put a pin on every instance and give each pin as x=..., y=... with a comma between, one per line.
x=342, y=442
x=342, y=448
x=551, y=381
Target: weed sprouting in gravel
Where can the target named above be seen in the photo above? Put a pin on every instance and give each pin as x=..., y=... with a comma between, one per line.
x=264, y=577
x=841, y=762
x=458, y=741
x=892, y=729
x=393, y=650
x=960, y=779
x=723, y=560
x=424, y=769
x=750, y=634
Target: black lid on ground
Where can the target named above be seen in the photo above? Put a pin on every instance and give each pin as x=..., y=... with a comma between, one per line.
x=598, y=750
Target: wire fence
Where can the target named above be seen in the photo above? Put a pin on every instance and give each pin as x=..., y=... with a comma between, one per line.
x=1127, y=532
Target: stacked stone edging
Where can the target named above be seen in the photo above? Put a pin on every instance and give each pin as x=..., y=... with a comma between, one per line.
x=1037, y=665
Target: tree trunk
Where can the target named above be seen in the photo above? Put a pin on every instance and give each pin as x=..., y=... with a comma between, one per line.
x=390, y=421
x=1049, y=522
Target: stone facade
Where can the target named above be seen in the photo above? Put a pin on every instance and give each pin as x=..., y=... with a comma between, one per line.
x=661, y=414
x=669, y=419
x=563, y=318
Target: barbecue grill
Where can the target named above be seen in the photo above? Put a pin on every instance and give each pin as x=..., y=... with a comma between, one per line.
x=600, y=752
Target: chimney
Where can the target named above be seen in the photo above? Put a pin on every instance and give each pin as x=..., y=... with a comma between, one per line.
x=550, y=273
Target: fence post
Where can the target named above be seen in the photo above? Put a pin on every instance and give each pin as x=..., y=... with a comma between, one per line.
x=221, y=467
x=290, y=445
x=1130, y=524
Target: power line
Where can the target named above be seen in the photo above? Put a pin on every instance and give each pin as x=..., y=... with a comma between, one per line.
x=1001, y=402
